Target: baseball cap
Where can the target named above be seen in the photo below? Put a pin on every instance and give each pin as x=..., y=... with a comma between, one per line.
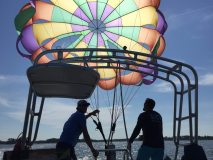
x=82, y=103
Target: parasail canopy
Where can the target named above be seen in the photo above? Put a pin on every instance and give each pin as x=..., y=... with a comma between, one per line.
x=135, y=25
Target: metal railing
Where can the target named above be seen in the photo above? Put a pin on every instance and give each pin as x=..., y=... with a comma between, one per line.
x=181, y=76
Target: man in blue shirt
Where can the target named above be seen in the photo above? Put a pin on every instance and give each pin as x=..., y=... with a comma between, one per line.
x=73, y=128
x=150, y=122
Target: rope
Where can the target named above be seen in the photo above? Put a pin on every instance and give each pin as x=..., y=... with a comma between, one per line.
x=113, y=110
x=99, y=127
x=122, y=105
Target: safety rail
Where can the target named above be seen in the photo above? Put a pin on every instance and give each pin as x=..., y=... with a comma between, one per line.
x=185, y=84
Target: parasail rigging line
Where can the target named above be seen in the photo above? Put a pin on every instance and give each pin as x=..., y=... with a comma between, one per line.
x=115, y=109
x=122, y=106
x=99, y=127
x=97, y=102
x=112, y=126
x=129, y=95
x=98, y=122
x=126, y=103
x=107, y=93
x=117, y=112
x=113, y=113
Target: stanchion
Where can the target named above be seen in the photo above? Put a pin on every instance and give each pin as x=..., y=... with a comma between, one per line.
x=111, y=152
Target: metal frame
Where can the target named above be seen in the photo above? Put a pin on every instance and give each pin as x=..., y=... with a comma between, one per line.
x=186, y=86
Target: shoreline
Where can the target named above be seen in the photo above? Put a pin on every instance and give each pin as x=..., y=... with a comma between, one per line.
x=55, y=140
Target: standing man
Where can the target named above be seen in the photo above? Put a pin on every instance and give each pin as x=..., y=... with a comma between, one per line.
x=151, y=123
x=73, y=128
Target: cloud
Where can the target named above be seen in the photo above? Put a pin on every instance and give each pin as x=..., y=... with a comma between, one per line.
x=13, y=79
x=208, y=17
x=4, y=102
x=17, y=115
x=188, y=16
x=163, y=87
x=56, y=112
x=190, y=12
x=203, y=80
x=2, y=77
x=206, y=80
x=55, y=115
x=11, y=102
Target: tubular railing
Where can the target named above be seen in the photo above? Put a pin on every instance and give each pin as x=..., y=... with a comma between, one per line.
x=185, y=84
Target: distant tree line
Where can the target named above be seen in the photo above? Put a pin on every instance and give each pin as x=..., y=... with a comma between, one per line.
x=140, y=138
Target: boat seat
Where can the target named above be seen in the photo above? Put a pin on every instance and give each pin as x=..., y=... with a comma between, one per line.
x=194, y=152
x=62, y=80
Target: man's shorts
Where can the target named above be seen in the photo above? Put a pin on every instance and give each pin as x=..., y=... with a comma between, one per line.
x=146, y=152
x=65, y=152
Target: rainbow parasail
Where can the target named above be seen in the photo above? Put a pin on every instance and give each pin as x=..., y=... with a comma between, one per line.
x=59, y=24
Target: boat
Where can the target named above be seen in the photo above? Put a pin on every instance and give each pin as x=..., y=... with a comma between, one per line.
x=86, y=37
x=45, y=83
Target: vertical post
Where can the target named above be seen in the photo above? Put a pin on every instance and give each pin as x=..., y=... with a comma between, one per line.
x=196, y=107
x=179, y=118
x=32, y=114
x=123, y=114
x=26, y=120
x=38, y=120
x=60, y=55
x=111, y=154
x=190, y=111
x=175, y=114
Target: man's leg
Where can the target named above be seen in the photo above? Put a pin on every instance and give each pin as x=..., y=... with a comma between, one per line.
x=72, y=153
x=144, y=153
x=63, y=151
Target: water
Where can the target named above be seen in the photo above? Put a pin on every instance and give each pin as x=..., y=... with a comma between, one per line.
x=83, y=152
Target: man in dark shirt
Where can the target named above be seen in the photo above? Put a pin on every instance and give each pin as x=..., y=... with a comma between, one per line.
x=151, y=123
x=73, y=128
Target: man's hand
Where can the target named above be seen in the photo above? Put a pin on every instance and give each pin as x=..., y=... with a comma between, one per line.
x=95, y=153
x=93, y=113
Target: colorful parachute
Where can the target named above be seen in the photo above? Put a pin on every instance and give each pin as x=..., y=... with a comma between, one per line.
x=113, y=24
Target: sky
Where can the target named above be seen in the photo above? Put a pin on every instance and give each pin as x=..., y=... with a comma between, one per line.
x=188, y=39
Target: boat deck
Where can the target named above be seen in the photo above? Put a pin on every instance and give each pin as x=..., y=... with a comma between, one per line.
x=41, y=154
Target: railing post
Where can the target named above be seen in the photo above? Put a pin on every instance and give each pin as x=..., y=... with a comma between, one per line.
x=26, y=120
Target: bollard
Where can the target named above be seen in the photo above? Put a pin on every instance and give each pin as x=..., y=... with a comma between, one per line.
x=110, y=155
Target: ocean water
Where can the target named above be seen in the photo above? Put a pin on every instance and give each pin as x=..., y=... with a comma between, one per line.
x=83, y=152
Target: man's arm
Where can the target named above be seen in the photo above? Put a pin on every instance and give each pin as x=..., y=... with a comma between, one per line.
x=93, y=113
x=135, y=132
x=89, y=142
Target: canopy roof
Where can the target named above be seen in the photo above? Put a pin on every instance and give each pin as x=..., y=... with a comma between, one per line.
x=64, y=80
